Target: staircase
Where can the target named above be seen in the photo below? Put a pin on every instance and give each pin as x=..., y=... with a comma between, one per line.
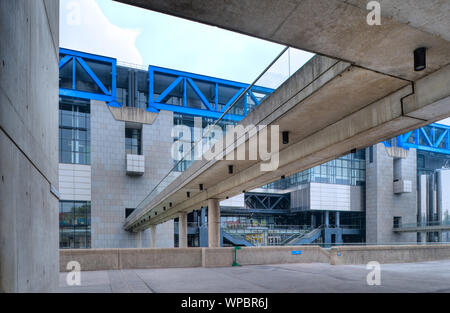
x=306, y=238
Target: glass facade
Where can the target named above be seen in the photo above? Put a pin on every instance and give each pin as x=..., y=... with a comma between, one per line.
x=346, y=170
x=74, y=224
x=187, y=120
x=133, y=141
x=74, y=131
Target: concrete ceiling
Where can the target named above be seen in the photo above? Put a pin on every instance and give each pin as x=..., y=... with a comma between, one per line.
x=334, y=28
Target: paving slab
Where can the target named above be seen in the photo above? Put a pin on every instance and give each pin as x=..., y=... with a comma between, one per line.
x=278, y=278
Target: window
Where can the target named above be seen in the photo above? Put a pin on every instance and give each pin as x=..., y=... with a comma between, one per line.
x=347, y=170
x=133, y=141
x=74, y=131
x=128, y=212
x=371, y=154
x=397, y=221
x=74, y=224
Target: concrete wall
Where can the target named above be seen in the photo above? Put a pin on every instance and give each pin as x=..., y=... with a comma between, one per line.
x=114, y=259
x=389, y=254
x=381, y=202
x=29, y=40
x=113, y=190
x=214, y=257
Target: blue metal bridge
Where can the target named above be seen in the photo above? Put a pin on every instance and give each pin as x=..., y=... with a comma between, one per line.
x=90, y=76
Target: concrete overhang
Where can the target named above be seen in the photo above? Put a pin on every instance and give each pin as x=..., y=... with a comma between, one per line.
x=334, y=28
x=329, y=107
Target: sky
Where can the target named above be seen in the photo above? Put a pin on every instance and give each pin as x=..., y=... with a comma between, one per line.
x=144, y=37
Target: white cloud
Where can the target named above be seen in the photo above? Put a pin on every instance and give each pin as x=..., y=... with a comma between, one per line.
x=84, y=27
x=446, y=121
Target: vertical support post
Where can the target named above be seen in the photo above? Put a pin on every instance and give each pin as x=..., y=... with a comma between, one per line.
x=150, y=86
x=114, y=79
x=216, y=97
x=338, y=219
x=327, y=218
x=153, y=236
x=139, y=243
x=213, y=223
x=182, y=230
x=74, y=69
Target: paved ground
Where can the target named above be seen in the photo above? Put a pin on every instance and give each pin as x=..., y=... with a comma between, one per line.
x=315, y=277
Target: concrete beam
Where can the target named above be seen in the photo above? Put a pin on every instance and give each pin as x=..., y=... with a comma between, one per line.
x=153, y=236
x=335, y=28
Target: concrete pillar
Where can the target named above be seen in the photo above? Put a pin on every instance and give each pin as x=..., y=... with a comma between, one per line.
x=213, y=223
x=327, y=218
x=182, y=230
x=153, y=236
x=312, y=220
x=338, y=219
x=29, y=226
x=423, y=237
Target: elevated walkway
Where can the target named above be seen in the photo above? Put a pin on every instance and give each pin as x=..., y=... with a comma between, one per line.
x=425, y=227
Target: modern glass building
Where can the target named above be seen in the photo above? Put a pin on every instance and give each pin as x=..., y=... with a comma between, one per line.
x=116, y=137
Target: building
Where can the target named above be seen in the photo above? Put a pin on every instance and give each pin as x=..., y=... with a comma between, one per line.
x=116, y=139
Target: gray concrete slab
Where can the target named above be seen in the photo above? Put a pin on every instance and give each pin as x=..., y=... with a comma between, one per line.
x=285, y=278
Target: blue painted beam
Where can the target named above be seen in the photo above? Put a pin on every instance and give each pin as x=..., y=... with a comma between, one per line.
x=195, y=112
x=428, y=144
x=93, y=76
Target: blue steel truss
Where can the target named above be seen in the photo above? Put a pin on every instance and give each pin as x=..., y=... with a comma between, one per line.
x=211, y=108
x=105, y=94
x=434, y=138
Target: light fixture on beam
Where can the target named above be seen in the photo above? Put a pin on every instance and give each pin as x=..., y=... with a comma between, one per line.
x=285, y=138
x=420, y=59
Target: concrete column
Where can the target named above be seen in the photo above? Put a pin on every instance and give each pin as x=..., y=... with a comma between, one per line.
x=139, y=240
x=327, y=218
x=153, y=236
x=338, y=219
x=182, y=230
x=203, y=217
x=313, y=224
x=213, y=223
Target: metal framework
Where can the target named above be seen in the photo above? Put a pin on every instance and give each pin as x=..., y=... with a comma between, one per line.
x=211, y=108
x=105, y=94
x=267, y=201
x=434, y=138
